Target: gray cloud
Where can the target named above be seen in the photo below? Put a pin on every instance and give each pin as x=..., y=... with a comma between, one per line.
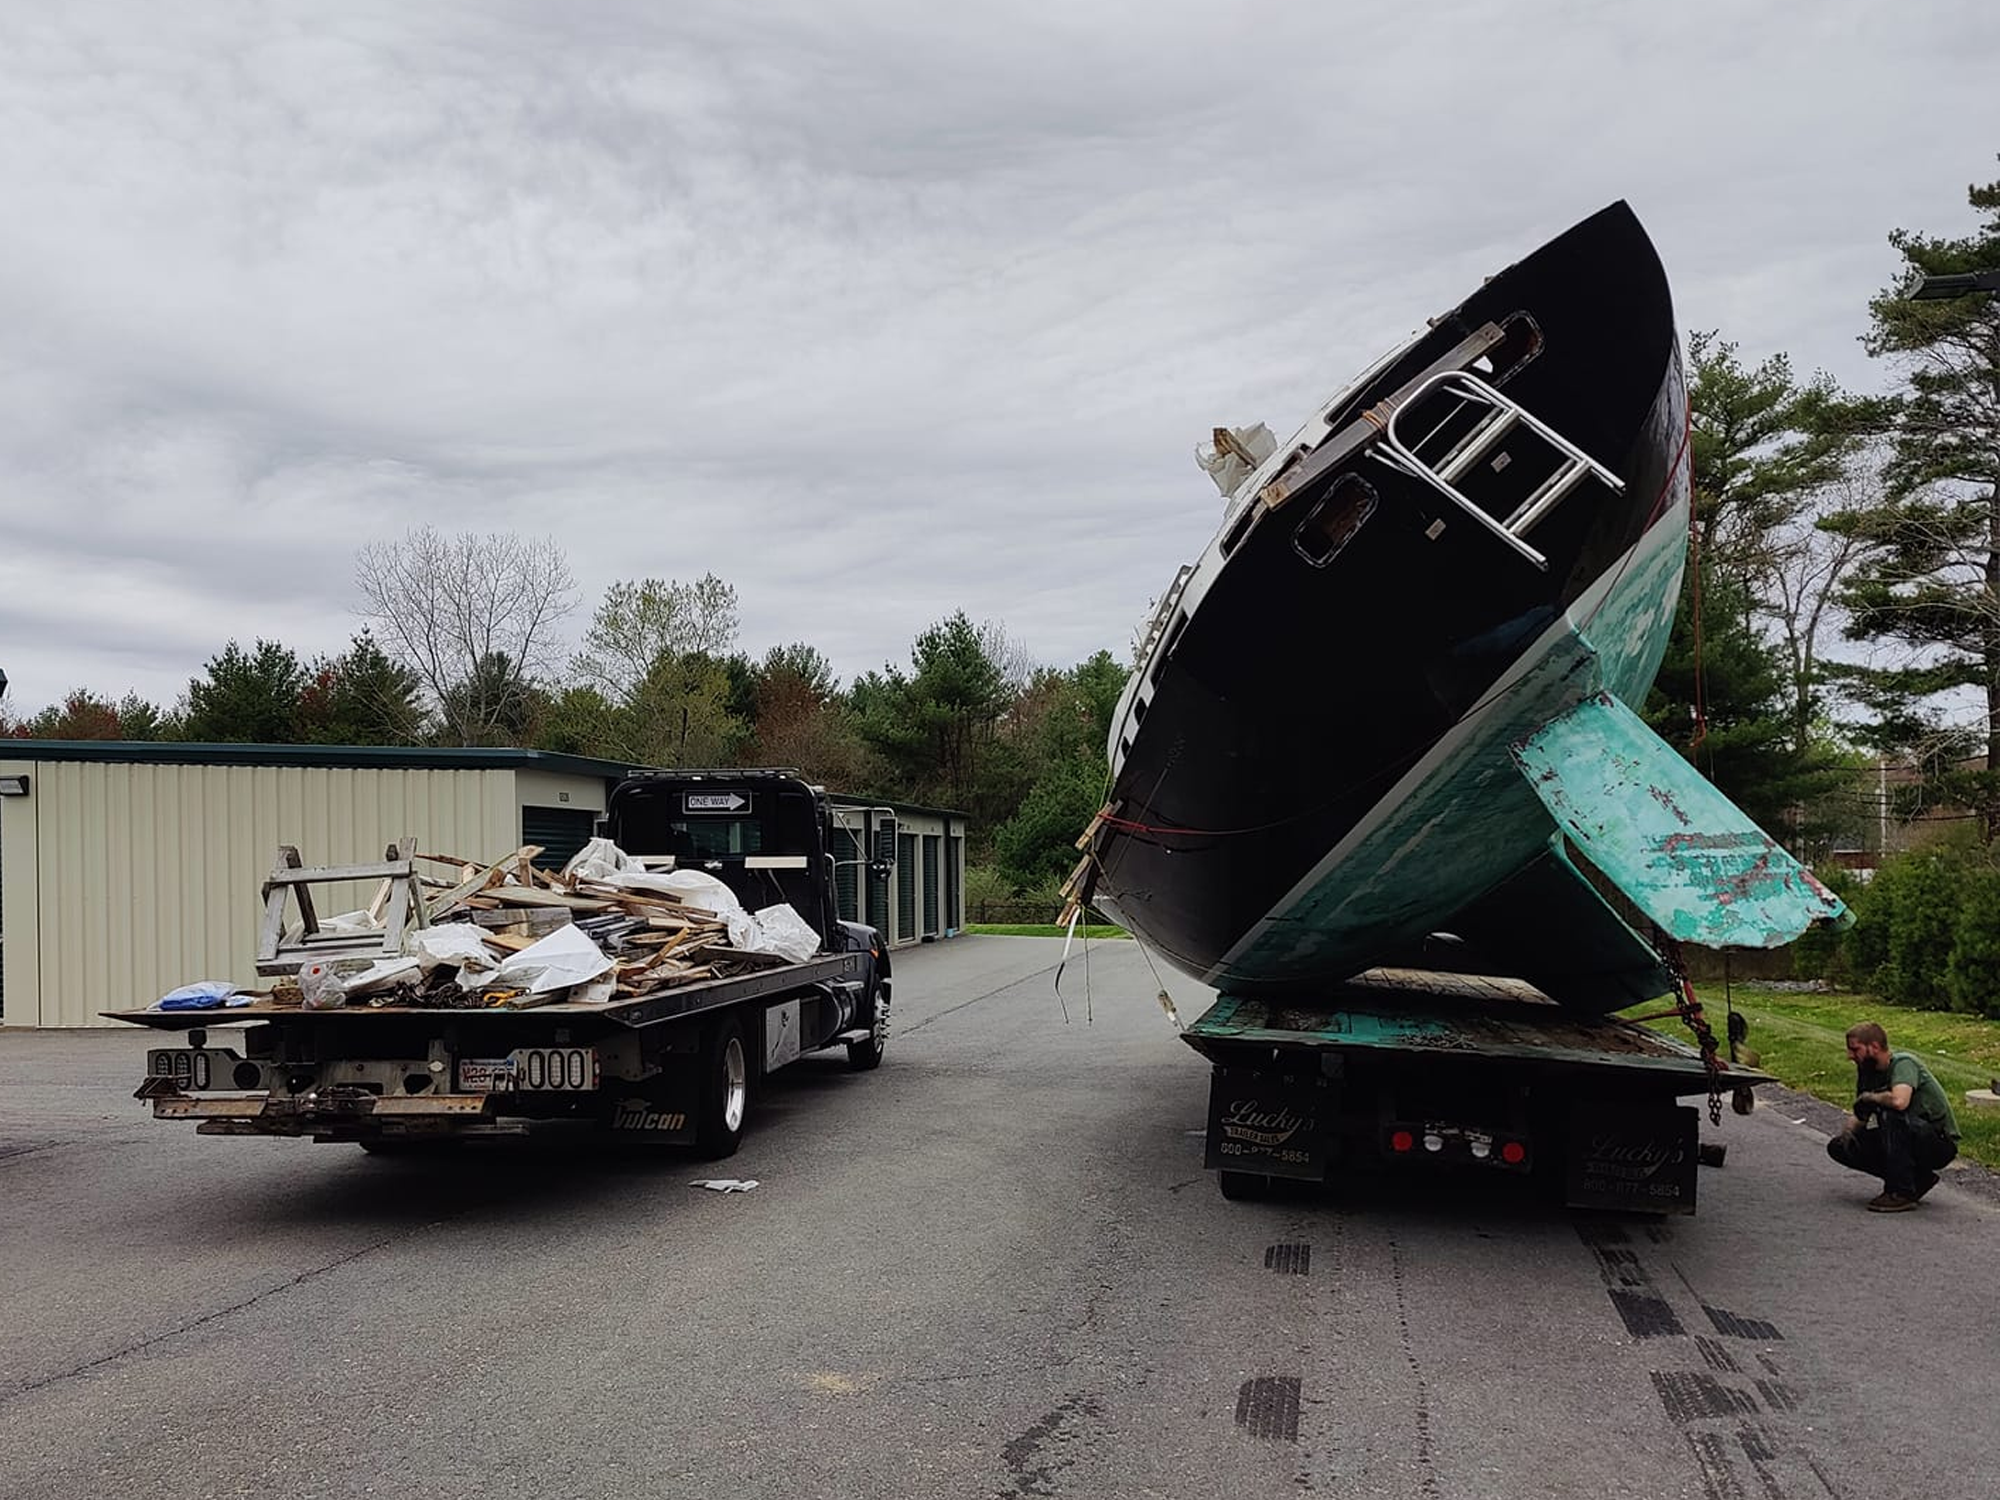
x=875, y=310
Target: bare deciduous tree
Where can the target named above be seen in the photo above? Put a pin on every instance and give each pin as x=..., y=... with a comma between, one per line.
x=1798, y=570
x=1016, y=662
x=473, y=616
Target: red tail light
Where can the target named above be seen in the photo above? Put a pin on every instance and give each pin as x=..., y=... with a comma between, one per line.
x=1402, y=1140
x=1513, y=1153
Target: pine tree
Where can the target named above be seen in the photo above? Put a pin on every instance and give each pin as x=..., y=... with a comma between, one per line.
x=1929, y=590
x=247, y=696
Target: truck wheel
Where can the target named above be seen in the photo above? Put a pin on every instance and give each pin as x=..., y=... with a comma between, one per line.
x=724, y=1102
x=1244, y=1187
x=862, y=1056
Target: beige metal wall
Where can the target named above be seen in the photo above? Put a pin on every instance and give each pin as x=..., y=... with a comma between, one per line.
x=546, y=789
x=123, y=881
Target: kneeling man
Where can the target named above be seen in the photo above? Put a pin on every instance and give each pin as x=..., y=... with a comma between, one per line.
x=1902, y=1128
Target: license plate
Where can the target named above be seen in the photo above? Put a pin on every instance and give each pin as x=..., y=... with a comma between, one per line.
x=533, y=1070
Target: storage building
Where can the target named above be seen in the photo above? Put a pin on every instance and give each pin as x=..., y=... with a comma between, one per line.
x=129, y=869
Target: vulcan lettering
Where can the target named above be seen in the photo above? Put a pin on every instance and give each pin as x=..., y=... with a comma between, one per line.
x=640, y=1115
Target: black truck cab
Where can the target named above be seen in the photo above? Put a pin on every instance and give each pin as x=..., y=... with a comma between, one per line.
x=768, y=836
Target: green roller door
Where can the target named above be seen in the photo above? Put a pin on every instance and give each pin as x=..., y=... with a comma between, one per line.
x=933, y=848
x=906, y=886
x=847, y=873
x=561, y=831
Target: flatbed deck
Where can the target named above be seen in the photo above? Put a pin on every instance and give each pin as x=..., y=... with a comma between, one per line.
x=1408, y=1011
x=642, y=1010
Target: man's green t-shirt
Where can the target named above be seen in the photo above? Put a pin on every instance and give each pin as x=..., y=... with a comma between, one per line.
x=1927, y=1096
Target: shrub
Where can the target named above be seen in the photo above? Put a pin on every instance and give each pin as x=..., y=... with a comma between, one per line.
x=1921, y=922
x=1972, y=972
x=1821, y=951
x=1864, y=947
x=985, y=886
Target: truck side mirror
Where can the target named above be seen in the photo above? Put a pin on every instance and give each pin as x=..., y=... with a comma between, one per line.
x=885, y=847
x=879, y=869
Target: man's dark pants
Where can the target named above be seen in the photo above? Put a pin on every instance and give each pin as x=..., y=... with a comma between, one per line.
x=1900, y=1150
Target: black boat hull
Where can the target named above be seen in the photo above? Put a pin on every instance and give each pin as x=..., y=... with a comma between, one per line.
x=1311, y=766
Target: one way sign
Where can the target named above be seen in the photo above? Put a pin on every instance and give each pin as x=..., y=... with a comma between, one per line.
x=716, y=802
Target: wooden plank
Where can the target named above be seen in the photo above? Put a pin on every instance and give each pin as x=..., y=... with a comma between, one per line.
x=471, y=885
x=625, y=893
x=273, y=930
x=536, y=920
x=521, y=895
x=674, y=941
x=691, y=916
x=319, y=874
x=449, y=859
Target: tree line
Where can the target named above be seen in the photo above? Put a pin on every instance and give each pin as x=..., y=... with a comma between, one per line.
x=1840, y=677
x=462, y=645
x=1841, y=604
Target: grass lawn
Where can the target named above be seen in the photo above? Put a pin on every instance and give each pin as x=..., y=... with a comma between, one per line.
x=1802, y=1042
x=1042, y=929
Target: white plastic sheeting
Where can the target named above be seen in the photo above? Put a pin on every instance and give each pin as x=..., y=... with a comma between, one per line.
x=600, y=859
x=565, y=957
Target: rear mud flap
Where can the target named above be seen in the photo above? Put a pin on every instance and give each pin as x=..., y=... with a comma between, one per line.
x=1271, y=1124
x=1632, y=1160
x=658, y=1111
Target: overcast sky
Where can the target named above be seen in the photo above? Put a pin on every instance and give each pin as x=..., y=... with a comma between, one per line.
x=875, y=310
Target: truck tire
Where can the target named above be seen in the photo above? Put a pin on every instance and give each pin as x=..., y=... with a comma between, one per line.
x=862, y=1056
x=1243, y=1187
x=723, y=1093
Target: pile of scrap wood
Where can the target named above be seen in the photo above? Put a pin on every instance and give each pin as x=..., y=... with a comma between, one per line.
x=476, y=940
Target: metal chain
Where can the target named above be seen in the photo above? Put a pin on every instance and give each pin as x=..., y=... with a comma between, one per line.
x=1688, y=1006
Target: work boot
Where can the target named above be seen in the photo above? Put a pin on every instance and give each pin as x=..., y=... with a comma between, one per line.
x=1924, y=1184
x=1891, y=1203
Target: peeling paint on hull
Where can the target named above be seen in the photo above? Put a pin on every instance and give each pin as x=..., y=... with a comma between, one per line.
x=1687, y=858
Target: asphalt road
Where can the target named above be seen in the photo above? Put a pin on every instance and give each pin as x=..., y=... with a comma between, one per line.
x=995, y=1268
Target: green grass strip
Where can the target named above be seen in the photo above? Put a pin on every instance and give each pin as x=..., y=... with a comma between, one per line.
x=1801, y=1041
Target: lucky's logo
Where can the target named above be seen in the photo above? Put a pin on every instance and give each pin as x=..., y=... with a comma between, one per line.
x=1249, y=1120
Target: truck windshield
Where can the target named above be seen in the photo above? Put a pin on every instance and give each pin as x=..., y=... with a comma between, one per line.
x=714, y=838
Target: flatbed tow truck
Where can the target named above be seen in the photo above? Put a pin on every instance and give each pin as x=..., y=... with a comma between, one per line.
x=679, y=1066
x=1407, y=1070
